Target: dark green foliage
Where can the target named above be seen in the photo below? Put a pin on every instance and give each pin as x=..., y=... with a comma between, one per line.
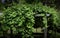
x=20, y=18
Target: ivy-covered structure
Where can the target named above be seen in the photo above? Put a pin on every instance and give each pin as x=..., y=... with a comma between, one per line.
x=25, y=19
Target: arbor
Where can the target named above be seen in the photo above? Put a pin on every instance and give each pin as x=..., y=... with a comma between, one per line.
x=19, y=18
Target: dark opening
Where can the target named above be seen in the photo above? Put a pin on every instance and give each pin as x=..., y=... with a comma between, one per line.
x=38, y=22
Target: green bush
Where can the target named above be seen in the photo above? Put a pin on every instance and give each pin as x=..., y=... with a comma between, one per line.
x=19, y=19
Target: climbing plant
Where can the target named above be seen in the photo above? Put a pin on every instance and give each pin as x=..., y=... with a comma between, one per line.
x=19, y=19
x=47, y=10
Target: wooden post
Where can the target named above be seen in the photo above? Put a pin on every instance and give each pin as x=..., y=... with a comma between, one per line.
x=45, y=23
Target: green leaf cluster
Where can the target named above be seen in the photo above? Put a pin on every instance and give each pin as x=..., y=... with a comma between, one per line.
x=19, y=19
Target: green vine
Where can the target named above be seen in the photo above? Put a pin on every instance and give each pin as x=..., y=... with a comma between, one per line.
x=20, y=18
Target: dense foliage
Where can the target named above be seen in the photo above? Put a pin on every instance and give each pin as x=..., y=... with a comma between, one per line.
x=20, y=19
x=47, y=10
